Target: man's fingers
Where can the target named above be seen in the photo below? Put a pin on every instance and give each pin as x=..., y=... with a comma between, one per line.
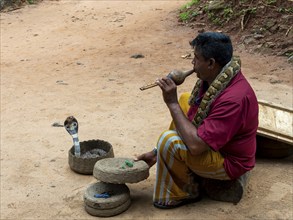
x=171, y=82
x=136, y=157
x=168, y=81
x=139, y=157
x=161, y=83
x=165, y=81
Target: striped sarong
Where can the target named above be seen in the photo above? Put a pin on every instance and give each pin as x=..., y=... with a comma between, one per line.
x=175, y=165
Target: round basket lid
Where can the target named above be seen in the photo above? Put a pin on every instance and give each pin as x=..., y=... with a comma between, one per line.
x=120, y=170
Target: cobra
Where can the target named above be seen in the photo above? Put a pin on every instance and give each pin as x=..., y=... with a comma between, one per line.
x=71, y=126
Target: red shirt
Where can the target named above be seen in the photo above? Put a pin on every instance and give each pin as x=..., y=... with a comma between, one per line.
x=231, y=126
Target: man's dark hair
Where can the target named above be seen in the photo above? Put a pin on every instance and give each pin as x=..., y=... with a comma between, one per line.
x=214, y=45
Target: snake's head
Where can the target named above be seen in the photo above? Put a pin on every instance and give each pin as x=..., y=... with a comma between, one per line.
x=71, y=125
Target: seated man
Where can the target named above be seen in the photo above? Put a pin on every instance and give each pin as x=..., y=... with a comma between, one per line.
x=213, y=132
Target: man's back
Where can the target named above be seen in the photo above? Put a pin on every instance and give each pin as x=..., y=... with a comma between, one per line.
x=231, y=126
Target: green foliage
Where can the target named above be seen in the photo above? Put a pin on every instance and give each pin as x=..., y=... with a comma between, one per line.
x=224, y=15
x=228, y=13
x=271, y=2
x=184, y=16
x=189, y=4
x=214, y=18
x=187, y=12
x=289, y=54
x=10, y=4
x=248, y=11
x=187, y=15
x=286, y=10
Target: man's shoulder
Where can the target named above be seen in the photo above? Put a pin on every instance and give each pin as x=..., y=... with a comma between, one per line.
x=238, y=90
x=239, y=85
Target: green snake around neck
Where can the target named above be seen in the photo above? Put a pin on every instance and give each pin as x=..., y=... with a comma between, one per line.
x=217, y=86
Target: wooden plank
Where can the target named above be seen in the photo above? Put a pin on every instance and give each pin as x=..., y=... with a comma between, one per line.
x=275, y=122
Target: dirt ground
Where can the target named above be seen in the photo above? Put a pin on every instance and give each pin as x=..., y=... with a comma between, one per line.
x=61, y=58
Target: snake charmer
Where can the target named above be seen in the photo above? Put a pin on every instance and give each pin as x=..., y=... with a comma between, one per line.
x=213, y=128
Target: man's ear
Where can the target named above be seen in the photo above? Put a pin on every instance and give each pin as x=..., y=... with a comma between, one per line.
x=212, y=63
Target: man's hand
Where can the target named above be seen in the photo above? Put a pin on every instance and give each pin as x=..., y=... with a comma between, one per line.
x=184, y=127
x=169, y=90
x=150, y=158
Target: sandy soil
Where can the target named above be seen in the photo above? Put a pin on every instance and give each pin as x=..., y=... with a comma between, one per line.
x=62, y=58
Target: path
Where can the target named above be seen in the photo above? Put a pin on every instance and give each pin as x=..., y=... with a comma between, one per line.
x=62, y=58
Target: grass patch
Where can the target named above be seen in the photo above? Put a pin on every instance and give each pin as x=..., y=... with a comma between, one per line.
x=186, y=13
x=189, y=4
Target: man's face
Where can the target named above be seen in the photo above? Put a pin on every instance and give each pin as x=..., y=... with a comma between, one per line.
x=201, y=66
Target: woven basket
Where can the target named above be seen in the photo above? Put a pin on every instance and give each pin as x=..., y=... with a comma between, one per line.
x=86, y=165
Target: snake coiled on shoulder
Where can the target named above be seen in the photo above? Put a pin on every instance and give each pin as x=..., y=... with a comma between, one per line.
x=218, y=85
